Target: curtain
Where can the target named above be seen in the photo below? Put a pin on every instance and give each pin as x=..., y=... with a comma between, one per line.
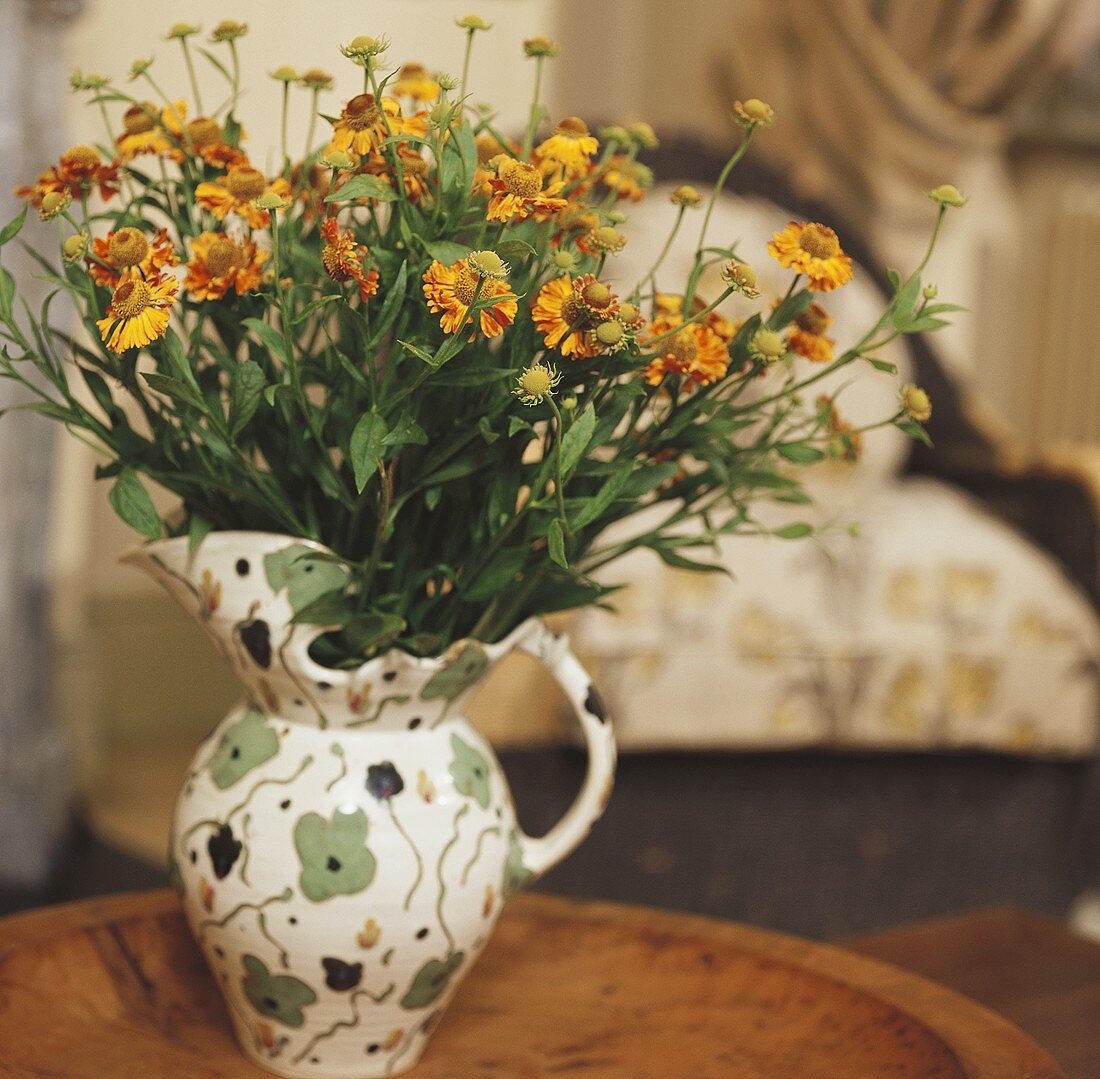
x=877, y=101
x=34, y=788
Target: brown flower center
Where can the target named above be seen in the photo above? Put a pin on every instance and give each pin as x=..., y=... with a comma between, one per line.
x=335, y=263
x=465, y=285
x=80, y=157
x=127, y=247
x=573, y=126
x=521, y=179
x=224, y=256
x=572, y=312
x=245, y=184
x=813, y=320
x=361, y=112
x=682, y=348
x=138, y=119
x=819, y=241
x=414, y=165
x=131, y=298
x=203, y=131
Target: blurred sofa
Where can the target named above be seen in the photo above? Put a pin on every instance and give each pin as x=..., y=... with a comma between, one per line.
x=896, y=721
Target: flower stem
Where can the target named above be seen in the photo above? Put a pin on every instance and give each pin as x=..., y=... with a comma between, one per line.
x=533, y=121
x=191, y=74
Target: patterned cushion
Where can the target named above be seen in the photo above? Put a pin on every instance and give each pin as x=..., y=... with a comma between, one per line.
x=933, y=626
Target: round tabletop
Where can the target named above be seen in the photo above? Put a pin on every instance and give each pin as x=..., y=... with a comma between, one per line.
x=115, y=987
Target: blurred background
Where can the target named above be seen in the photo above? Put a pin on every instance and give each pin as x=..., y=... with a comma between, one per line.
x=883, y=726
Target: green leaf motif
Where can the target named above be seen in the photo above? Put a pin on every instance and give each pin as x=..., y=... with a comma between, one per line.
x=457, y=676
x=470, y=772
x=132, y=503
x=305, y=576
x=278, y=996
x=430, y=981
x=246, y=392
x=576, y=440
x=334, y=855
x=245, y=745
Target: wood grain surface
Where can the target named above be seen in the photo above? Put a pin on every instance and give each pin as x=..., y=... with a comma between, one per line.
x=116, y=988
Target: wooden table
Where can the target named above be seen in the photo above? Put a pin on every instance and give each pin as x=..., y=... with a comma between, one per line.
x=1029, y=969
x=115, y=987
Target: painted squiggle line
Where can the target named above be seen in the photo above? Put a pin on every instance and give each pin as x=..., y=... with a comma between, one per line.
x=337, y=750
x=442, y=884
x=378, y=998
x=377, y=713
x=207, y=822
x=284, y=896
x=284, y=955
x=416, y=854
x=493, y=829
x=306, y=762
x=405, y=1046
x=322, y=719
x=247, y=850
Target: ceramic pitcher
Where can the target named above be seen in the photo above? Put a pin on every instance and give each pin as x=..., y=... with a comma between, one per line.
x=345, y=840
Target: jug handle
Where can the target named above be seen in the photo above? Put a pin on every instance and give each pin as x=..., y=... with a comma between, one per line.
x=553, y=652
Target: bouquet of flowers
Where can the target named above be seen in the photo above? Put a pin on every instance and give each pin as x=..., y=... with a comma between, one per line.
x=411, y=344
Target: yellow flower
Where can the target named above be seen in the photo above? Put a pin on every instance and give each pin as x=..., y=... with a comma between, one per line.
x=628, y=178
x=316, y=79
x=141, y=132
x=569, y=149
x=540, y=46
x=916, y=403
x=129, y=253
x=642, y=135
x=536, y=383
x=517, y=193
x=740, y=277
x=567, y=310
x=685, y=195
x=754, y=113
x=450, y=291
x=947, y=195
x=219, y=264
x=807, y=334
x=413, y=81
x=362, y=126
x=813, y=250
x=364, y=48
x=237, y=193
x=228, y=30
x=472, y=23
x=138, y=312
x=695, y=352
x=767, y=346
x=603, y=240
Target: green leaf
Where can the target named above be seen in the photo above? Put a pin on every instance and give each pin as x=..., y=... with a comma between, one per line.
x=245, y=393
x=329, y=609
x=906, y=301
x=391, y=306
x=555, y=542
x=132, y=503
x=794, y=531
x=486, y=430
x=366, y=447
x=674, y=558
x=418, y=352
x=7, y=294
x=198, y=527
x=515, y=423
x=364, y=187
x=497, y=576
x=799, y=452
x=367, y=633
x=406, y=431
x=576, y=440
x=644, y=480
x=447, y=251
x=914, y=430
x=894, y=278
x=514, y=249
x=923, y=323
x=790, y=309
x=882, y=365
x=13, y=227
x=176, y=389
x=270, y=337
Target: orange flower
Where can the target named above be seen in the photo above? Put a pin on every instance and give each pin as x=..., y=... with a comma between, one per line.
x=237, y=191
x=414, y=171
x=813, y=250
x=413, y=81
x=363, y=126
x=569, y=149
x=128, y=253
x=567, y=311
x=629, y=179
x=695, y=351
x=807, y=335
x=343, y=259
x=517, y=192
x=669, y=304
x=206, y=138
x=79, y=171
x=845, y=443
x=138, y=312
x=219, y=263
x=450, y=290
